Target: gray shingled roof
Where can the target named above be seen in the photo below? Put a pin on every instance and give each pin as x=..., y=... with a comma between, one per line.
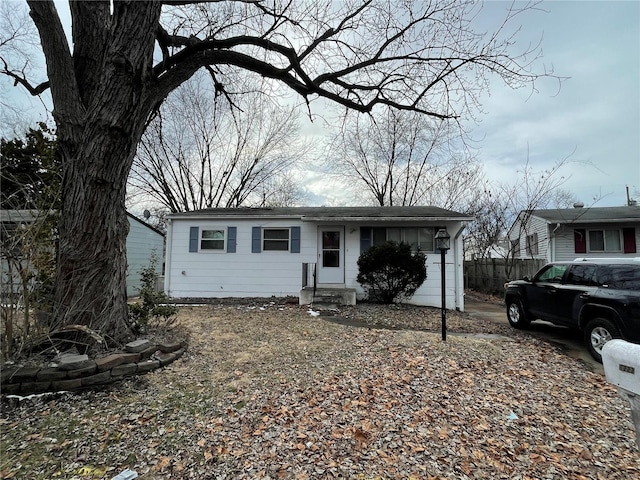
x=590, y=215
x=331, y=213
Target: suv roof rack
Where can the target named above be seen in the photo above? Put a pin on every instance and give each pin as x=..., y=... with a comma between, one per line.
x=605, y=259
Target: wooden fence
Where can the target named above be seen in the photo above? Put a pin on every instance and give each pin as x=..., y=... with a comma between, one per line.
x=488, y=275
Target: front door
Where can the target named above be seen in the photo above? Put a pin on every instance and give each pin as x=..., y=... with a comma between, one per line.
x=331, y=255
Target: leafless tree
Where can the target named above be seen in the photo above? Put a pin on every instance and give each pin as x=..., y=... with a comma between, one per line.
x=202, y=153
x=415, y=56
x=500, y=205
x=404, y=158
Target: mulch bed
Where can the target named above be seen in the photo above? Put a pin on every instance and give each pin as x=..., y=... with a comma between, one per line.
x=271, y=391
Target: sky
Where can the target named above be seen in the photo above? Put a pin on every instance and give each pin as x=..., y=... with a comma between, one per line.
x=592, y=121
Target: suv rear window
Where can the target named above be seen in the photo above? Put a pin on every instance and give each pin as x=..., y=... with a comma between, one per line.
x=582, y=275
x=621, y=277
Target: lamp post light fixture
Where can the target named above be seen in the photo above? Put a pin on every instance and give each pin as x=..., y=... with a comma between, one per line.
x=442, y=239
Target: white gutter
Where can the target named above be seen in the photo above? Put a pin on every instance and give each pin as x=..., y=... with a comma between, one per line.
x=326, y=219
x=167, y=260
x=553, y=242
x=458, y=256
x=384, y=219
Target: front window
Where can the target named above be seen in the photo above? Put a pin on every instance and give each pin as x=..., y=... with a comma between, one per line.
x=605, y=241
x=420, y=238
x=275, y=239
x=212, y=240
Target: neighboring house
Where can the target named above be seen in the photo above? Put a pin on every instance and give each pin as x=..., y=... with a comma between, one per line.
x=569, y=233
x=142, y=242
x=264, y=252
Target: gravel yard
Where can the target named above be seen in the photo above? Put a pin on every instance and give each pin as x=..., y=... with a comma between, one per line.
x=269, y=390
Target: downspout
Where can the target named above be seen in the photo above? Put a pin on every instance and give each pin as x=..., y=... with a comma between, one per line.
x=167, y=266
x=553, y=243
x=458, y=257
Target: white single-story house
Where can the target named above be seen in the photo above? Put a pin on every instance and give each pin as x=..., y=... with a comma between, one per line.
x=143, y=241
x=264, y=252
x=569, y=233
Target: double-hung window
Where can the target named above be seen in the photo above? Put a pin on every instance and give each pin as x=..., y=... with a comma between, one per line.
x=275, y=239
x=212, y=239
x=605, y=240
x=532, y=244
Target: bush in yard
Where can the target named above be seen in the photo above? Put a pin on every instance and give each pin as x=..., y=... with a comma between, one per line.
x=391, y=271
x=154, y=307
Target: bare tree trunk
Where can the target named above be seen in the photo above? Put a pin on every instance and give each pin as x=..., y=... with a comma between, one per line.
x=100, y=123
x=92, y=263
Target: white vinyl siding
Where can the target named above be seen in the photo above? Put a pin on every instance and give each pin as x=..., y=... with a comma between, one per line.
x=242, y=274
x=279, y=273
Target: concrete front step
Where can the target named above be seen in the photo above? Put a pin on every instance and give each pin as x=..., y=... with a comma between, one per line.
x=335, y=296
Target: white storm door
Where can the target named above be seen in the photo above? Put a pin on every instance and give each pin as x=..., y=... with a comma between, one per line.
x=330, y=255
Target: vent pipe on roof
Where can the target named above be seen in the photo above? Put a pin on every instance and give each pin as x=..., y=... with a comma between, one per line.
x=578, y=205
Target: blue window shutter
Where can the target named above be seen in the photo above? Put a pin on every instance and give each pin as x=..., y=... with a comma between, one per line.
x=256, y=238
x=295, y=239
x=365, y=239
x=231, y=239
x=194, y=233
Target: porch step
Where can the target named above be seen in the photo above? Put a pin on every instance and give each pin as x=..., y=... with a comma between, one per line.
x=328, y=296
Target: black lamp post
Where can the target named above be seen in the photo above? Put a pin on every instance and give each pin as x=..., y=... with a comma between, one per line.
x=442, y=243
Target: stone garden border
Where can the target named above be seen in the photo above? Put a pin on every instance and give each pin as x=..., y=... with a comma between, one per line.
x=73, y=372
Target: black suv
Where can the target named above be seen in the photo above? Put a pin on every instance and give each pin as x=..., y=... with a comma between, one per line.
x=601, y=297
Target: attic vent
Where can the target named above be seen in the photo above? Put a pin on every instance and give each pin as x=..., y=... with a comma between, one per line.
x=578, y=205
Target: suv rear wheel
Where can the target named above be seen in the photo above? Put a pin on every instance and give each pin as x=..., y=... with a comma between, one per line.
x=515, y=314
x=598, y=332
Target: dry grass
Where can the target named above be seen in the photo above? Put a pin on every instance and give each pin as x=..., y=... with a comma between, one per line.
x=270, y=391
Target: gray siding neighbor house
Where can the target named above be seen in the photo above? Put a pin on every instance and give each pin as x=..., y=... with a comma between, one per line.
x=143, y=241
x=570, y=233
x=264, y=252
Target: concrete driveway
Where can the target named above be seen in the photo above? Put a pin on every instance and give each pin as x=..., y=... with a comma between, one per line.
x=569, y=341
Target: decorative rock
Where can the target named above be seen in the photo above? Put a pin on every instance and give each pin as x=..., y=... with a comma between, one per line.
x=147, y=352
x=70, y=361
x=178, y=353
x=25, y=374
x=66, y=384
x=35, y=387
x=164, y=358
x=96, y=379
x=7, y=373
x=137, y=345
x=77, y=371
x=110, y=361
x=125, y=369
x=10, y=389
x=147, y=366
x=50, y=374
x=170, y=347
x=89, y=369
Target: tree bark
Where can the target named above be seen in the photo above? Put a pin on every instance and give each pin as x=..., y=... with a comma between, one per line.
x=101, y=110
